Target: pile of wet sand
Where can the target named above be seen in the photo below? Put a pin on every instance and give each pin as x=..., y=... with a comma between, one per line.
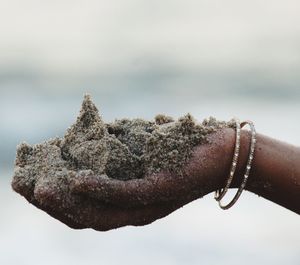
x=124, y=149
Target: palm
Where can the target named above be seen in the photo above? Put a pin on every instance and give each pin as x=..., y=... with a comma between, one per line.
x=102, y=203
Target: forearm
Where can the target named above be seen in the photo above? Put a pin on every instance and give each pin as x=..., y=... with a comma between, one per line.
x=275, y=174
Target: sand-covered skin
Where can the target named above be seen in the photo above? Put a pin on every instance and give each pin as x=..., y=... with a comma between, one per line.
x=124, y=149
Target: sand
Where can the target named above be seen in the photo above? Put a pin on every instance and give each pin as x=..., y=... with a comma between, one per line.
x=124, y=149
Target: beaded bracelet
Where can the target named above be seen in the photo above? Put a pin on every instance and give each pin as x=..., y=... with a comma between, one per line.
x=221, y=193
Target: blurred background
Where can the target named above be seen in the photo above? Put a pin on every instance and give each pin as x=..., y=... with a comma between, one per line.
x=138, y=58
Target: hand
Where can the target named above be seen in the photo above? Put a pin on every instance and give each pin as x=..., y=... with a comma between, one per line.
x=158, y=195
x=200, y=176
x=79, y=211
x=102, y=203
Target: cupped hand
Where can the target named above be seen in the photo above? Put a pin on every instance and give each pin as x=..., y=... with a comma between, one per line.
x=81, y=211
x=200, y=176
x=103, y=203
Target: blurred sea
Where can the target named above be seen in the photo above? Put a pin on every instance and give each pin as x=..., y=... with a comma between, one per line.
x=255, y=231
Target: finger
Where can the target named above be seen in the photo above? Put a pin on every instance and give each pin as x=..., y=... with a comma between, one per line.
x=23, y=185
x=125, y=193
x=59, y=215
x=103, y=217
x=89, y=213
x=81, y=212
x=153, y=189
x=139, y=216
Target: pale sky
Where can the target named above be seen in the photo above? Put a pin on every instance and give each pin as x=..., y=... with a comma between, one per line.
x=126, y=35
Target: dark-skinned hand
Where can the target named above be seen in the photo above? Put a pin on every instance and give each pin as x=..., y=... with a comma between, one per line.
x=103, y=203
